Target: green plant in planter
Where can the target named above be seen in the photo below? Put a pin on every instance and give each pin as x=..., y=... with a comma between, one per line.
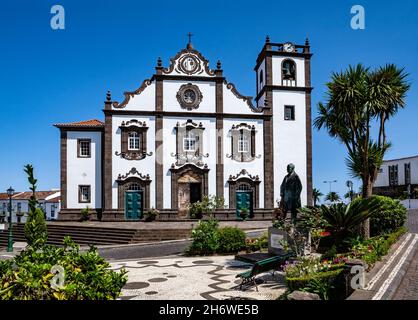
x=244, y=213
x=151, y=214
x=85, y=214
x=344, y=221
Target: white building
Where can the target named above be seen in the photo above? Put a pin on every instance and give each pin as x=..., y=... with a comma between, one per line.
x=395, y=175
x=187, y=132
x=49, y=201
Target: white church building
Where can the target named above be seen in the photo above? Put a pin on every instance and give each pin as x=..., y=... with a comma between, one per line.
x=187, y=132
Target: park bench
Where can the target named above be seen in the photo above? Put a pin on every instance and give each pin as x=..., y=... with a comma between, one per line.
x=262, y=266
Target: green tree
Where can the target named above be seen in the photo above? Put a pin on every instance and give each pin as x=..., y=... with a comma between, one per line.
x=35, y=227
x=316, y=195
x=332, y=197
x=357, y=99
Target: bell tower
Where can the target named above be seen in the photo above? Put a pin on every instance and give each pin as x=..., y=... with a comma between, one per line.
x=283, y=88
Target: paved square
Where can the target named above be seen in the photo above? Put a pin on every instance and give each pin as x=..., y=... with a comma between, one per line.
x=194, y=278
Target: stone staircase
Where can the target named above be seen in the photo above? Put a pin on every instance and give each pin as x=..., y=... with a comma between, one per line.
x=87, y=235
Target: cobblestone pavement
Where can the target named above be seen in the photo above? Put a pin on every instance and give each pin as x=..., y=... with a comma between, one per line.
x=408, y=288
x=194, y=278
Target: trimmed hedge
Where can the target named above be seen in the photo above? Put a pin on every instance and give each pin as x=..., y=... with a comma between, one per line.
x=328, y=284
x=208, y=239
x=391, y=217
x=231, y=240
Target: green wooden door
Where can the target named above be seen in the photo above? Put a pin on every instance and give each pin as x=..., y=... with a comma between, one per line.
x=244, y=199
x=133, y=205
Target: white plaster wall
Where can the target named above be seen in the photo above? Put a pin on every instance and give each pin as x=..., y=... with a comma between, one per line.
x=145, y=101
x=122, y=166
x=255, y=167
x=169, y=147
x=289, y=139
x=232, y=104
x=277, y=70
x=24, y=207
x=170, y=103
x=383, y=177
x=84, y=171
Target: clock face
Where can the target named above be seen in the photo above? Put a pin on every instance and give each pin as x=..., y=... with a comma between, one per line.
x=189, y=64
x=288, y=47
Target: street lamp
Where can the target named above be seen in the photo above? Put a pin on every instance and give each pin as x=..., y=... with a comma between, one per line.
x=330, y=182
x=10, y=193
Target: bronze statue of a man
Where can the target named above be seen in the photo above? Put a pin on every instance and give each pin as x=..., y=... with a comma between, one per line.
x=290, y=190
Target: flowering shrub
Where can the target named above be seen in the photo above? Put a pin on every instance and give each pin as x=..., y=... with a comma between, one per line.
x=373, y=249
x=256, y=244
x=308, y=265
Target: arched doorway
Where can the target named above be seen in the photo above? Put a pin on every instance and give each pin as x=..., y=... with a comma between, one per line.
x=134, y=201
x=133, y=194
x=189, y=191
x=189, y=184
x=244, y=192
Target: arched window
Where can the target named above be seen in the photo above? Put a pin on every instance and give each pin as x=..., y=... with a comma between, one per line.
x=244, y=187
x=243, y=142
x=133, y=141
x=261, y=78
x=288, y=73
x=134, y=187
x=189, y=141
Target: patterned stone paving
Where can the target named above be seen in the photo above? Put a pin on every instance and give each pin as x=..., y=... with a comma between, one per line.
x=195, y=279
x=408, y=288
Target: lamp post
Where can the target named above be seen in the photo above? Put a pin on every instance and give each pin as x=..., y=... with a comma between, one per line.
x=330, y=182
x=10, y=192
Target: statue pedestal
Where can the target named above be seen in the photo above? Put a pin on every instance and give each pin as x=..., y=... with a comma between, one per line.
x=276, y=238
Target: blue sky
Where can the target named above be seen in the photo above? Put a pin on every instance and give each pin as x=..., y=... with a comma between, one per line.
x=49, y=76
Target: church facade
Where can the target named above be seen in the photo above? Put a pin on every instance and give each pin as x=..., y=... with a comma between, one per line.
x=186, y=132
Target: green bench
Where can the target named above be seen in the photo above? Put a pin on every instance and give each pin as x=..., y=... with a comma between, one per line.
x=262, y=266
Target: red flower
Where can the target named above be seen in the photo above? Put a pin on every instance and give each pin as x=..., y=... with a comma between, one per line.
x=325, y=233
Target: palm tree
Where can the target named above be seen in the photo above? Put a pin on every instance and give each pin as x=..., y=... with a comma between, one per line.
x=316, y=195
x=350, y=194
x=332, y=197
x=357, y=98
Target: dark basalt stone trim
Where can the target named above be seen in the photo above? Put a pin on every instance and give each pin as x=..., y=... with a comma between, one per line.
x=309, y=177
x=269, y=53
x=268, y=141
x=107, y=169
x=78, y=147
x=75, y=214
x=234, y=184
x=159, y=182
x=306, y=89
x=122, y=188
x=187, y=115
x=176, y=173
x=63, y=173
x=162, y=77
x=219, y=141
